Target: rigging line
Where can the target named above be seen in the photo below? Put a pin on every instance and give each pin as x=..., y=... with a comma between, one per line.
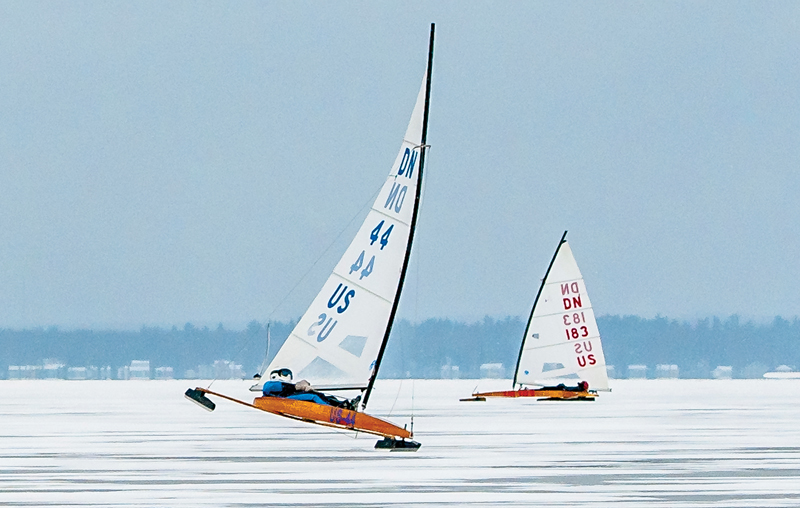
x=412, y=404
x=316, y=261
x=266, y=355
x=419, y=259
x=269, y=336
x=397, y=396
x=245, y=342
x=412, y=324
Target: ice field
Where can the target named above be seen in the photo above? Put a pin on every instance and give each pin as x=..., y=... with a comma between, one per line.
x=676, y=443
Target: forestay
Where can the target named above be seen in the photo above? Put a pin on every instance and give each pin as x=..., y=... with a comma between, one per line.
x=562, y=338
x=339, y=338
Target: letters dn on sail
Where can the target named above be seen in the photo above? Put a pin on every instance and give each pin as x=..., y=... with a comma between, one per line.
x=571, y=302
x=397, y=195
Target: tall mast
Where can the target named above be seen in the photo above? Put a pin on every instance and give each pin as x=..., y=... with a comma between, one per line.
x=541, y=287
x=413, y=221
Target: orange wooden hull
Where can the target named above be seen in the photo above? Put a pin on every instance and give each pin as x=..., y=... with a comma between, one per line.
x=542, y=394
x=320, y=414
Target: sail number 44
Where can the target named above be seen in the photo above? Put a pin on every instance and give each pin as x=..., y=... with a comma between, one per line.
x=359, y=262
x=374, y=236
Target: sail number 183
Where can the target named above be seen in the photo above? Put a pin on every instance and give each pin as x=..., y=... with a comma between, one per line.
x=577, y=333
x=573, y=320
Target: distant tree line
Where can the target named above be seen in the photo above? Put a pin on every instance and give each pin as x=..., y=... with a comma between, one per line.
x=751, y=349
x=421, y=350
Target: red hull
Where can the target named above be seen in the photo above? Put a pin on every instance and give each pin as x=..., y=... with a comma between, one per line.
x=541, y=394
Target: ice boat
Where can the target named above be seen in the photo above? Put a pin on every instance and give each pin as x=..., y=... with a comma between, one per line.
x=337, y=346
x=561, y=357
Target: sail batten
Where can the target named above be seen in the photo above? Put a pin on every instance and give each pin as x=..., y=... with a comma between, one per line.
x=379, y=212
x=551, y=314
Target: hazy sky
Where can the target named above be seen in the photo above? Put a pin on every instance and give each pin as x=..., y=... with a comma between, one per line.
x=165, y=162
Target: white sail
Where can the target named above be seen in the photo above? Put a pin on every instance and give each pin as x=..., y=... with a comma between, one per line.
x=338, y=339
x=562, y=339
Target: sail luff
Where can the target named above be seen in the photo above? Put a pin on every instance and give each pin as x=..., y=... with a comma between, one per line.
x=533, y=309
x=417, y=196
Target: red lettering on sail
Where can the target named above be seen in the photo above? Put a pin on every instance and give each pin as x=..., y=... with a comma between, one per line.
x=574, y=324
x=575, y=302
x=570, y=287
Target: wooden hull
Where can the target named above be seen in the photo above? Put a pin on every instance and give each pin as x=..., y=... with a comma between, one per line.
x=540, y=394
x=320, y=414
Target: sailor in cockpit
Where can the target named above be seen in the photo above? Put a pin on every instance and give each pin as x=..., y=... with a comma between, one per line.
x=583, y=386
x=280, y=385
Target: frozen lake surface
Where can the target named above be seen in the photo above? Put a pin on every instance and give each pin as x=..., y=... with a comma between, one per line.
x=675, y=443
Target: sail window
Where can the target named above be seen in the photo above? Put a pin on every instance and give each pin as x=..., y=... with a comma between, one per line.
x=547, y=367
x=354, y=344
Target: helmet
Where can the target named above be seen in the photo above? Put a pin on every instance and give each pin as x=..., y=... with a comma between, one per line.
x=281, y=374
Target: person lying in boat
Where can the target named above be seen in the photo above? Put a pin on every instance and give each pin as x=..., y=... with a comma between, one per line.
x=280, y=385
x=583, y=386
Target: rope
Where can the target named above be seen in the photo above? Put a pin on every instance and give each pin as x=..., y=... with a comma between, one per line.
x=397, y=396
x=419, y=259
x=341, y=232
x=305, y=275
